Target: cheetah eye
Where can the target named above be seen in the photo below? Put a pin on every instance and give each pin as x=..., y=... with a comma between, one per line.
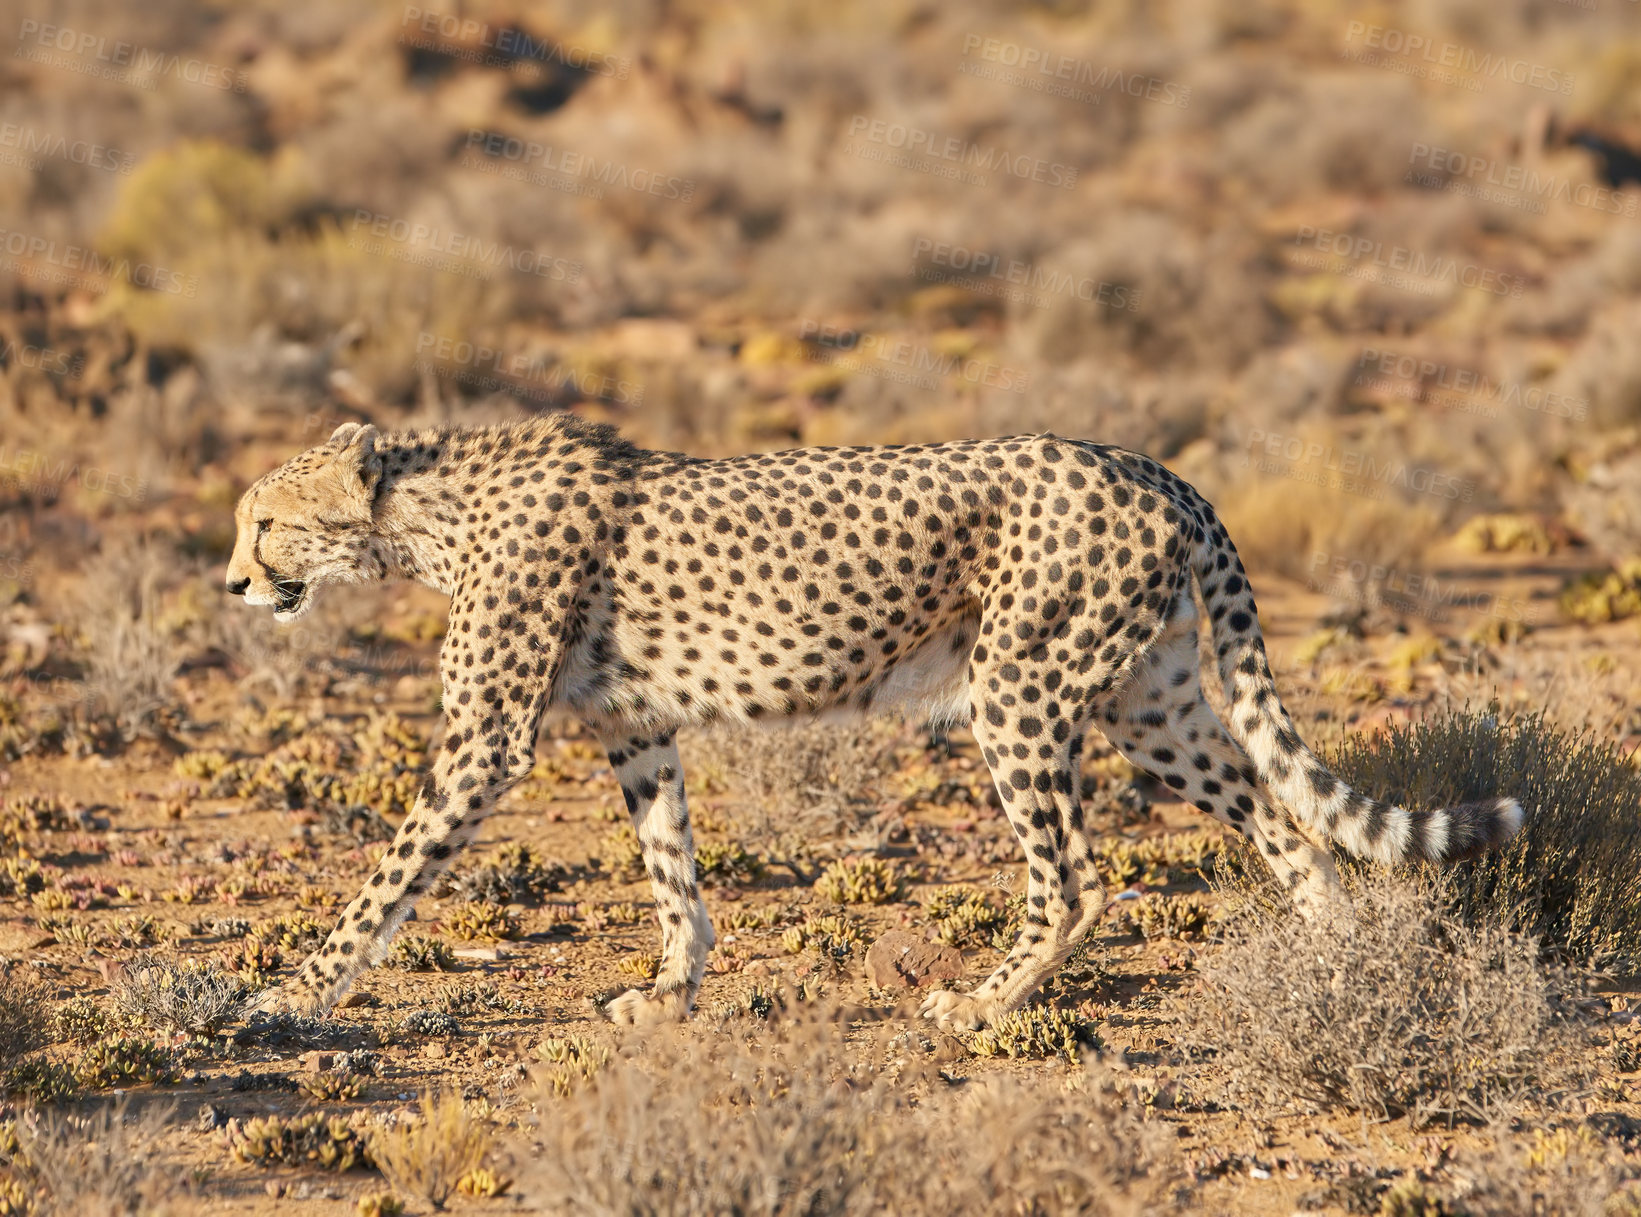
x=262, y=527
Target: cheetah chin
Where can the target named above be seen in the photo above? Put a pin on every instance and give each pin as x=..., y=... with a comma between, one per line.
x=1040, y=589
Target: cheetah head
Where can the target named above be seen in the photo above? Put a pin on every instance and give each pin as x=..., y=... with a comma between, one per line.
x=309, y=522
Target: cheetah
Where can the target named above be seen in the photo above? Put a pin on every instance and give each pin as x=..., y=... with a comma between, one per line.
x=1036, y=588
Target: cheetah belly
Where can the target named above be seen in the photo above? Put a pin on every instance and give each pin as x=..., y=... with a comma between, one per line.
x=928, y=683
x=916, y=668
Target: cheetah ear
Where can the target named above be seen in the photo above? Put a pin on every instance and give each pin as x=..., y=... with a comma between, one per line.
x=359, y=462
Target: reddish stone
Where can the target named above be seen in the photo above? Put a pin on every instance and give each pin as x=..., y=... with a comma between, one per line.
x=902, y=960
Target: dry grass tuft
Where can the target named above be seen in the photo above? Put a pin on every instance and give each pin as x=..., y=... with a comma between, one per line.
x=1290, y=526
x=429, y=1157
x=800, y=783
x=104, y=1162
x=25, y=1022
x=1399, y=1010
x=1565, y=1172
x=171, y=995
x=790, y=1120
x=131, y=653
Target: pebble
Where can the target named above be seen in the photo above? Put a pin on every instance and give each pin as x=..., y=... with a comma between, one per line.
x=900, y=959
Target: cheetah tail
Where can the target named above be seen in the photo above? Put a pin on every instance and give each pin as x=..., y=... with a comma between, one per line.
x=1295, y=777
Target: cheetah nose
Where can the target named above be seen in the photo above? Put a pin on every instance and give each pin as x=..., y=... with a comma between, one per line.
x=238, y=586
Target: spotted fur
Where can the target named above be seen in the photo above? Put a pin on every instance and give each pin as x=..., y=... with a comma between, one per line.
x=1038, y=587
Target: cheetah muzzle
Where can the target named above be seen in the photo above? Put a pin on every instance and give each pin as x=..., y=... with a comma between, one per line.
x=1037, y=588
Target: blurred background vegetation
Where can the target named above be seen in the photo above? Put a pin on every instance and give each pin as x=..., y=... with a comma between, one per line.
x=1361, y=272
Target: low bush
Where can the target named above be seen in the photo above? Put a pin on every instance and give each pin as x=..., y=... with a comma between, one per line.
x=1401, y=1009
x=515, y=874
x=171, y=995
x=430, y=1156
x=419, y=953
x=1037, y=1032
x=24, y=1021
x=790, y=1120
x=332, y=1143
x=107, y=1161
x=125, y=1061
x=792, y=785
x=1568, y=1172
x=1572, y=876
x=862, y=881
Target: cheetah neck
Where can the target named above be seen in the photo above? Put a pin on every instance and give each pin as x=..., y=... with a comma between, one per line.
x=417, y=509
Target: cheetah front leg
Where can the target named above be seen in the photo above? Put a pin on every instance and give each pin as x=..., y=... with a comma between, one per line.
x=464, y=784
x=486, y=750
x=652, y=780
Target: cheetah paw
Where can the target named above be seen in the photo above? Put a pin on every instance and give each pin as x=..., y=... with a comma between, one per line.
x=956, y=1011
x=289, y=998
x=636, y=1009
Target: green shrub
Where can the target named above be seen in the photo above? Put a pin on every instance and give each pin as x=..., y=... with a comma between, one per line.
x=193, y=192
x=834, y=937
x=1037, y=1032
x=862, y=881
x=125, y=1061
x=965, y=917
x=333, y=1143
x=419, y=953
x=1156, y=915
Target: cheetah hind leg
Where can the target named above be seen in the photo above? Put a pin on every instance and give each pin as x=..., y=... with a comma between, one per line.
x=652, y=781
x=1064, y=898
x=1189, y=751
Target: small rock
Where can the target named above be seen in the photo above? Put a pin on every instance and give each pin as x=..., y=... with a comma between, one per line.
x=352, y=1001
x=316, y=1062
x=484, y=954
x=274, y=1188
x=210, y=1118
x=902, y=960
x=434, y=1052
x=948, y=1050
